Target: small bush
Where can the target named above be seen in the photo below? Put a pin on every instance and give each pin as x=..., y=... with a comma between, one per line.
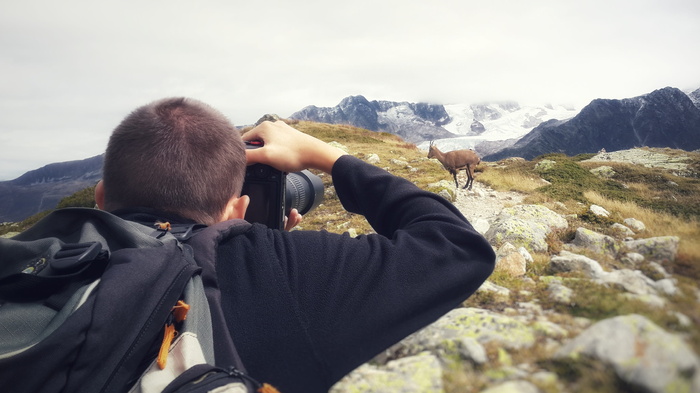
x=82, y=198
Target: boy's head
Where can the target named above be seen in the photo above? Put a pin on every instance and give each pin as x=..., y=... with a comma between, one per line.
x=176, y=155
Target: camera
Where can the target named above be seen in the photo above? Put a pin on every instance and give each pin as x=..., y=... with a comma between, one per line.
x=273, y=193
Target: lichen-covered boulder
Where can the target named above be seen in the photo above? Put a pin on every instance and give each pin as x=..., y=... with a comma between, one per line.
x=569, y=262
x=642, y=354
x=605, y=172
x=659, y=249
x=414, y=374
x=596, y=242
x=482, y=325
x=545, y=165
x=525, y=226
x=443, y=188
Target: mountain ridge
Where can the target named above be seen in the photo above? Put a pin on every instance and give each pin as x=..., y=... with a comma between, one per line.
x=412, y=121
x=41, y=189
x=663, y=118
x=495, y=130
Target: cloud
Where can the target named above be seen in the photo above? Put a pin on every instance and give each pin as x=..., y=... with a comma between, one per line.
x=71, y=70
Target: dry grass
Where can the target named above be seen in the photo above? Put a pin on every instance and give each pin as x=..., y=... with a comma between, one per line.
x=516, y=177
x=658, y=224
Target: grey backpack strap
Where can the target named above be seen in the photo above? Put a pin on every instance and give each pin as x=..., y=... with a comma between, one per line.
x=205, y=244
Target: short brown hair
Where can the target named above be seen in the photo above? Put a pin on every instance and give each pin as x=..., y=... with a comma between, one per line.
x=176, y=155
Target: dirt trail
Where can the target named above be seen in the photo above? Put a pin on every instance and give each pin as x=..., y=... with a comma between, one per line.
x=483, y=202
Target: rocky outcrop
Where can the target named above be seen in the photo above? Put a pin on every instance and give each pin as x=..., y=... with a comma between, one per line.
x=526, y=226
x=476, y=128
x=639, y=354
x=678, y=165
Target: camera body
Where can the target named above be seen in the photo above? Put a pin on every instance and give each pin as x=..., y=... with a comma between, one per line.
x=273, y=193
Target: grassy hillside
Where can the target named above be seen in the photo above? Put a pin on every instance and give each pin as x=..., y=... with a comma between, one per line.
x=665, y=202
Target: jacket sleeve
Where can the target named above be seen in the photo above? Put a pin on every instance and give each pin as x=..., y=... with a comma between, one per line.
x=358, y=296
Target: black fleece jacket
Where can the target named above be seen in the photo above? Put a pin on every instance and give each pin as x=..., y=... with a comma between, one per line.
x=304, y=308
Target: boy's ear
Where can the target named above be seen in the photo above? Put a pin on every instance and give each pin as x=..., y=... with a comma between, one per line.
x=236, y=208
x=100, y=195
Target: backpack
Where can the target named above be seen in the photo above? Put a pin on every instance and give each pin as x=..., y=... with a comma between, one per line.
x=90, y=302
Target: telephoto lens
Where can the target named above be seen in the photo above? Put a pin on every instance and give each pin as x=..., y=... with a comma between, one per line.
x=304, y=192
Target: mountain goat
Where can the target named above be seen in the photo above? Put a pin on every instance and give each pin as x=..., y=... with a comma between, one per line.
x=456, y=160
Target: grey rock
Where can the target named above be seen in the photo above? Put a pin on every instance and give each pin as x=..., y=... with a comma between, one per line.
x=621, y=229
x=510, y=261
x=651, y=300
x=632, y=281
x=642, y=354
x=499, y=293
x=605, y=172
x=544, y=165
x=599, y=211
x=595, y=242
x=667, y=286
x=659, y=269
x=632, y=259
x=443, y=188
x=400, y=163
x=482, y=325
x=481, y=225
x=569, y=262
x=373, y=159
x=634, y=224
x=526, y=254
x=525, y=226
x=659, y=249
x=446, y=194
x=414, y=374
x=559, y=293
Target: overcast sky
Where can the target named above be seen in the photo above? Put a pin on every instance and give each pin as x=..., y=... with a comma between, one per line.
x=71, y=70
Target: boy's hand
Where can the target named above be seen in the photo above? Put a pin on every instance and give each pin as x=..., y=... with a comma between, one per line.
x=290, y=150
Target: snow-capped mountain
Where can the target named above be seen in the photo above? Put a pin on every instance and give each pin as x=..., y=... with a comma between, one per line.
x=500, y=123
x=455, y=126
x=695, y=97
x=413, y=122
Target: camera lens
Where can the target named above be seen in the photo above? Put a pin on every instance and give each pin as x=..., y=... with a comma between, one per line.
x=304, y=191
